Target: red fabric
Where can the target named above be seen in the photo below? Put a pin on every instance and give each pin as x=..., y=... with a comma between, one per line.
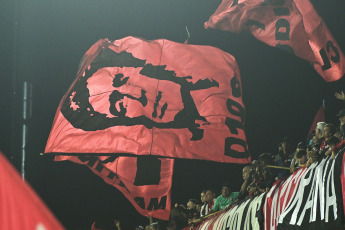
x=213, y=221
x=122, y=175
x=210, y=205
x=190, y=79
x=293, y=24
x=93, y=226
x=320, y=116
x=20, y=207
x=338, y=146
x=279, y=197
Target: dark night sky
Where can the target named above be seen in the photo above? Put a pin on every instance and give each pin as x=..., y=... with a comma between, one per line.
x=281, y=92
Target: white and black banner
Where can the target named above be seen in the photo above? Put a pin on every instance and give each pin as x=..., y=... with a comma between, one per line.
x=317, y=203
x=245, y=216
x=311, y=198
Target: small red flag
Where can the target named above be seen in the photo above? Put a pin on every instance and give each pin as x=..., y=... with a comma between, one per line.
x=162, y=98
x=144, y=181
x=20, y=207
x=291, y=25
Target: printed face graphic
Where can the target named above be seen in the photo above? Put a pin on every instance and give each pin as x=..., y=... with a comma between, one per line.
x=120, y=102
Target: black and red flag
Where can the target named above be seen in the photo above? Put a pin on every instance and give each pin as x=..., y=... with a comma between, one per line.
x=161, y=98
x=20, y=206
x=145, y=181
x=291, y=25
x=135, y=100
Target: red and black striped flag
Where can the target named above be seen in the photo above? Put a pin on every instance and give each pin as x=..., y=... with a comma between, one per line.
x=291, y=25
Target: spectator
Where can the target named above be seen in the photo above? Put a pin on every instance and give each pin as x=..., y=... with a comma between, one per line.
x=328, y=132
x=210, y=199
x=340, y=95
x=204, y=207
x=301, y=159
x=312, y=155
x=319, y=132
x=191, y=204
x=117, y=224
x=257, y=178
x=225, y=199
x=247, y=172
x=155, y=226
x=313, y=141
x=341, y=116
x=301, y=145
x=267, y=173
x=295, y=162
x=338, y=147
x=338, y=134
x=198, y=208
x=178, y=217
x=283, y=159
x=192, y=212
x=331, y=143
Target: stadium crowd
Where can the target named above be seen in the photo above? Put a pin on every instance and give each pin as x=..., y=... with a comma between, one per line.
x=260, y=175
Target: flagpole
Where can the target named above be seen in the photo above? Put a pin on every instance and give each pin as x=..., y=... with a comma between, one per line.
x=188, y=36
x=14, y=142
x=277, y=167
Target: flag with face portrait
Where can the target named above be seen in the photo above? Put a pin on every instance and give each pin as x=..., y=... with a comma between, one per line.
x=159, y=98
x=291, y=25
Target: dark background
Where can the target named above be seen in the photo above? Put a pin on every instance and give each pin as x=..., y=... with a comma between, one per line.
x=281, y=92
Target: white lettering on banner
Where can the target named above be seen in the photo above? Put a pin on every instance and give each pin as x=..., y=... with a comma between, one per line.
x=219, y=221
x=298, y=198
x=283, y=190
x=228, y=217
x=321, y=198
x=207, y=223
x=331, y=200
x=251, y=221
x=294, y=181
x=319, y=189
x=316, y=185
x=232, y=219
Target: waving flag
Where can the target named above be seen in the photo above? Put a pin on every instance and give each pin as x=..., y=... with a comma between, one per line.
x=291, y=25
x=20, y=207
x=161, y=98
x=145, y=181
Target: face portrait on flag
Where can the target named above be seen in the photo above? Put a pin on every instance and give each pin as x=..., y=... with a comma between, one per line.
x=140, y=97
x=128, y=97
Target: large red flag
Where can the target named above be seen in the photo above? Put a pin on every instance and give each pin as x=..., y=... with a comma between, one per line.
x=162, y=98
x=292, y=25
x=145, y=181
x=20, y=207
